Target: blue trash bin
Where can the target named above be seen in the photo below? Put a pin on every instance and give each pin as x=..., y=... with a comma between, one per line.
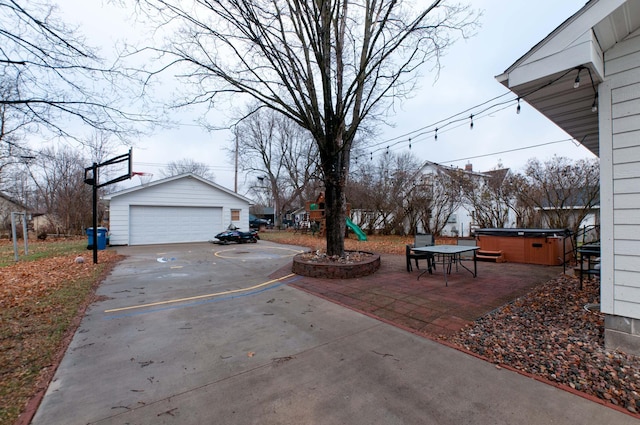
x=102, y=237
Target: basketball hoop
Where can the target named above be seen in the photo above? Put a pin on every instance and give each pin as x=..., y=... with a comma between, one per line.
x=145, y=178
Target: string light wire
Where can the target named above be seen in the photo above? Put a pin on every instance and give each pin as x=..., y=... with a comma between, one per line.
x=417, y=135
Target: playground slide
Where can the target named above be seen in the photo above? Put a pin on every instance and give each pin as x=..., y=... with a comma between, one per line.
x=358, y=231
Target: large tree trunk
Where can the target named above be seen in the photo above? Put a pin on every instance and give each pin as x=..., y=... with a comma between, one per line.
x=335, y=213
x=336, y=168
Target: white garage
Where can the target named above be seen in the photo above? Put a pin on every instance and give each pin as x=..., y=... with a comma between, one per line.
x=184, y=208
x=178, y=224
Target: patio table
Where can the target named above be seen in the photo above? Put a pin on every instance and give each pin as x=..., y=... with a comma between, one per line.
x=452, y=254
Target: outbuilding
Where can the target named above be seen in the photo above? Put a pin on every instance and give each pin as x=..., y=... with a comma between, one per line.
x=178, y=209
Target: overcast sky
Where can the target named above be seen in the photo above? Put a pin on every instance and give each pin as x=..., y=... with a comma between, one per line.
x=467, y=78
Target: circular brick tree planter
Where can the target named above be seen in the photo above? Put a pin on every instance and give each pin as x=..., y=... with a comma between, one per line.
x=364, y=264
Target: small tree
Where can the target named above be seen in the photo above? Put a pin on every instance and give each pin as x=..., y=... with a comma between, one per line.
x=563, y=192
x=382, y=192
x=443, y=193
x=271, y=147
x=60, y=190
x=490, y=195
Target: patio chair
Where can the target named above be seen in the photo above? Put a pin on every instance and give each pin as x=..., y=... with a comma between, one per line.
x=425, y=239
x=419, y=256
x=467, y=242
x=421, y=239
x=465, y=256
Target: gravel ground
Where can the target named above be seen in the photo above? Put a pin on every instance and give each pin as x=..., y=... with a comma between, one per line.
x=551, y=333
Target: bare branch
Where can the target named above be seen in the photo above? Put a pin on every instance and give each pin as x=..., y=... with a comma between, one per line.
x=327, y=65
x=51, y=77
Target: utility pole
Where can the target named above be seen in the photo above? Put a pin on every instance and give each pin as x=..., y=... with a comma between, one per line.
x=235, y=183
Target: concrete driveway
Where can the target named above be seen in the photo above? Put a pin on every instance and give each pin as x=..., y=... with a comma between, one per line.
x=197, y=334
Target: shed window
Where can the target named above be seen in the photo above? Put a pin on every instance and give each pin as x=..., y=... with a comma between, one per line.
x=235, y=215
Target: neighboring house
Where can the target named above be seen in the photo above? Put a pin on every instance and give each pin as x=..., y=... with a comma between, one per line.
x=367, y=220
x=577, y=208
x=600, y=47
x=296, y=216
x=265, y=213
x=300, y=214
x=7, y=206
x=184, y=208
x=46, y=223
x=461, y=220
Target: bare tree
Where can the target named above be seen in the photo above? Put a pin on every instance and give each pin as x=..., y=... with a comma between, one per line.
x=188, y=165
x=272, y=147
x=328, y=65
x=444, y=198
x=524, y=211
x=13, y=150
x=490, y=195
x=562, y=191
x=382, y=195
x=51, y=80
x=60, y=190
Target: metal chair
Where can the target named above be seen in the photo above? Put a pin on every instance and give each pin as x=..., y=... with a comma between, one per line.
x=467, y=242
x=424, y=239
x=421, y=239
x=419, y=256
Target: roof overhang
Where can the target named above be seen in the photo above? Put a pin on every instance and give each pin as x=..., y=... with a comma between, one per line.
x=544, y=77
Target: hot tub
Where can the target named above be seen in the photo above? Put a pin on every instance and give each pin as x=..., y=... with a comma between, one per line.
x=530, y=246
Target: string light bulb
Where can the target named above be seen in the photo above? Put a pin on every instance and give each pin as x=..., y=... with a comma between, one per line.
x=436, y=135
x=576, y=82
x=409, y=143
x=518, y=107
x=471, y=124
x=594, y=105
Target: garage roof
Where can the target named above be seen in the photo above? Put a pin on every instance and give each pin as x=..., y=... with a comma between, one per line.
x=173, y=178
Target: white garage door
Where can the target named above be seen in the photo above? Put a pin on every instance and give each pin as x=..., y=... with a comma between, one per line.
x=154, y=225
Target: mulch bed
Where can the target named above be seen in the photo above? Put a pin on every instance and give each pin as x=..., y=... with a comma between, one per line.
x=550, y=333
x=321, y=257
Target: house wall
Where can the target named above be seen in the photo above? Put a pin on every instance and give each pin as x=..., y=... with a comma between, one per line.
x=180, y=192
x=620, y=193
x=459, y=223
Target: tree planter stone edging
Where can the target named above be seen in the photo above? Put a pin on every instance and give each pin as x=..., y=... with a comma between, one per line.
x=334, y=269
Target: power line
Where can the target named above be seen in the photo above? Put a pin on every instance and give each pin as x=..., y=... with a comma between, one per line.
x=507, y=151
x=162, y=165
x=438, y=127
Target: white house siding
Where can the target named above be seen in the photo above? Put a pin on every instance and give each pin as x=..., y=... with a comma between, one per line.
x=185, y=192
x=620, y=129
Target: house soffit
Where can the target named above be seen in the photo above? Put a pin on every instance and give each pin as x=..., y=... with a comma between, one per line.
x=545, y=76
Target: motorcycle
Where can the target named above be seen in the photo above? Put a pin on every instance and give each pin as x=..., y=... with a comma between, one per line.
x=233, y=234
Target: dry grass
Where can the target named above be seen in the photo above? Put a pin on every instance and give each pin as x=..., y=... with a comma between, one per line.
x=374, y=243
x=40, y=249
x=41, y=298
